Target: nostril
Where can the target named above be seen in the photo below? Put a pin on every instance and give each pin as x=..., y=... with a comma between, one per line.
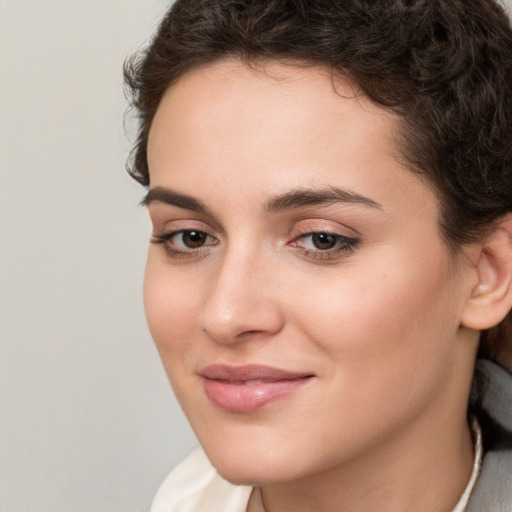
x=228, y=316
x=249, y=333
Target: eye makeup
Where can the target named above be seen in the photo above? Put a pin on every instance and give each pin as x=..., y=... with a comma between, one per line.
x=184, y=243
x=324, y=245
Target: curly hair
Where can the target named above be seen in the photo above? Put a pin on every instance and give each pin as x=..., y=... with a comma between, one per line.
x=443, y=66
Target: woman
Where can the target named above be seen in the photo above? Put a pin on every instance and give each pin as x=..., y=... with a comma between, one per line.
x=330, y=188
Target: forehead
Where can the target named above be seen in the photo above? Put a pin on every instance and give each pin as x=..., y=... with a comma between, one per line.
x=269, y=97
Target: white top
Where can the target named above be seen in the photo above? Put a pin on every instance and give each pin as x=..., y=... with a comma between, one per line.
x=195, y=486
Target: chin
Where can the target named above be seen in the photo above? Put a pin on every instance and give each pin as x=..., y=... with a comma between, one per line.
x=255, y=473
x=256, y=466
x=251, y=477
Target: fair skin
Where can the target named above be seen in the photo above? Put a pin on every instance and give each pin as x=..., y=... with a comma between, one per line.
x=356, y=290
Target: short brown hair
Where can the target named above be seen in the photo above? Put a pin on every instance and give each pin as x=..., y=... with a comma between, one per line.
x=443, y=66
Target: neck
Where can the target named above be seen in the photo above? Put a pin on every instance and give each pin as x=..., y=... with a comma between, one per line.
x=423, y=468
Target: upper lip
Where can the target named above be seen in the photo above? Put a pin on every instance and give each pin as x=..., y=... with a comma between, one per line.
x=250, y=372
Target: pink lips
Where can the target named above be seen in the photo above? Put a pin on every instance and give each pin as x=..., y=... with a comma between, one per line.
x=247, y=388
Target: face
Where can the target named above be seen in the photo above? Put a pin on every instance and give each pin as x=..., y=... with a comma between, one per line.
x=298, y=290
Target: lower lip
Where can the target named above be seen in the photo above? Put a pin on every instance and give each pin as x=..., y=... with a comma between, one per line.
x=244, y=398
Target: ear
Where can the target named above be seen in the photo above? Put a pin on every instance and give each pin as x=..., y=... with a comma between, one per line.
x=491, y=297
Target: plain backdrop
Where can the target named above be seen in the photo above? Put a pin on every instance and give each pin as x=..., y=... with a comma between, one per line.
x=87, y=419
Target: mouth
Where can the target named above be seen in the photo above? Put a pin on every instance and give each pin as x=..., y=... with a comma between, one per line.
x=245, y=389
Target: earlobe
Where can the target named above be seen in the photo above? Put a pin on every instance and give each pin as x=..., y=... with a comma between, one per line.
x=491, y=297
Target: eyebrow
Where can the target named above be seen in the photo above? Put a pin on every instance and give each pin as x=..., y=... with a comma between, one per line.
x=308, y=197
x=290, y=200
x=168, y=196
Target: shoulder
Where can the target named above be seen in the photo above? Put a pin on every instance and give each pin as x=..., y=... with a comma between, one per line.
x=195, y=486
x=493, y=490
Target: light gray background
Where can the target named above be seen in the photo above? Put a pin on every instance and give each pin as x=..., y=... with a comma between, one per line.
x=87, y=419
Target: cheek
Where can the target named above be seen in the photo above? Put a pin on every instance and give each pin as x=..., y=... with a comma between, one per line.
x=387, y=320
x=384, y=343
x=169, y=310
x=170, y=317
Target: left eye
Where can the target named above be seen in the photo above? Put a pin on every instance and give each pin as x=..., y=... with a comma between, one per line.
x=325, y=242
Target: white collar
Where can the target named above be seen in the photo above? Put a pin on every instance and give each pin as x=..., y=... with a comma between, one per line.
x=477, y=466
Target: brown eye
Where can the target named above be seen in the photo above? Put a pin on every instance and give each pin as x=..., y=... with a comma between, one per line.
x=323, y=241
x=193, y=239
x=185, y=243
x=323, y=245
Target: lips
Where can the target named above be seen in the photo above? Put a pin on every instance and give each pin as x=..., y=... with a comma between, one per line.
x=245, y=389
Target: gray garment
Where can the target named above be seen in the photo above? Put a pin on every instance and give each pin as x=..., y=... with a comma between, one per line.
x=493, y=490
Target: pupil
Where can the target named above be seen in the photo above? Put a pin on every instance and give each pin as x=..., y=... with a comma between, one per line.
x=324, y=241
x=193, y=239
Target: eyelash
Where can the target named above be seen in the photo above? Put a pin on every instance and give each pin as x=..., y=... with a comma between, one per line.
x=166, y=238
x=343, y=244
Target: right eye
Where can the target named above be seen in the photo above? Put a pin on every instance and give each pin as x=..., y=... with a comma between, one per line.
x=185, y=242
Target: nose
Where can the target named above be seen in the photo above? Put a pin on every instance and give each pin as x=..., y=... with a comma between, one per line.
x=242, y=301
